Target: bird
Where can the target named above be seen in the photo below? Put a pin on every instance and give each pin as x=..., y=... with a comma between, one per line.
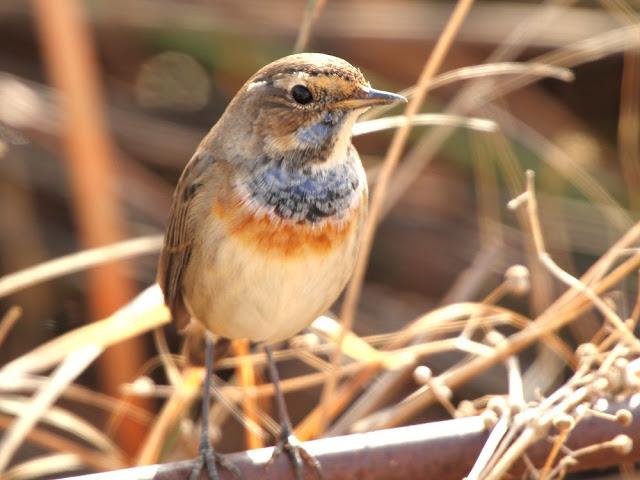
x=266, y=218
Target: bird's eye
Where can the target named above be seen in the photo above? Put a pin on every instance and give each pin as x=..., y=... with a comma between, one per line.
x=301, y=94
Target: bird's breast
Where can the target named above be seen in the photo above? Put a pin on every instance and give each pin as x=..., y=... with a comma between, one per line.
x=292, y=213
x=274, y=236
x=275, y=251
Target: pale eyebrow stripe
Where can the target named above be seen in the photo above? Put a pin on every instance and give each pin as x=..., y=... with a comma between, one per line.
x=255, y=84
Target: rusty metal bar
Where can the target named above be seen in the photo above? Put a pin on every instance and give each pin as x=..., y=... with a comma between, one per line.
x=443, y=450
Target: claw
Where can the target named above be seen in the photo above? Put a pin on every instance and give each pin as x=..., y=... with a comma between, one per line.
x=290, y=445
x=288, y=442
x=210, y=460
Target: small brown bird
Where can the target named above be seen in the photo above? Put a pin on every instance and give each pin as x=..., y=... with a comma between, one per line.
x=266, y=218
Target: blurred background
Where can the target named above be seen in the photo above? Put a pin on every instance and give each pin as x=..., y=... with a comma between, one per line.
x=102, y=102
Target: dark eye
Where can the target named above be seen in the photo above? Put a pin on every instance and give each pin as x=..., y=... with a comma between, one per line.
x=301, y=94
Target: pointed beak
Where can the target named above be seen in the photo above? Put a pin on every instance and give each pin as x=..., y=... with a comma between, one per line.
x=380, y=97
x=370, y=97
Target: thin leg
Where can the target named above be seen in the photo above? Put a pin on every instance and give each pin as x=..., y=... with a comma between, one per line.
x=288, y=441
x=208, y=458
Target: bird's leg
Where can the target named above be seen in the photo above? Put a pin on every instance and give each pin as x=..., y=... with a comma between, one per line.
x=288, y=442
x=208, y=458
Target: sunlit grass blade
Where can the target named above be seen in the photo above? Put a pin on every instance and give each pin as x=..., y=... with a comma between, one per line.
x=386, y=123
x=63, y=420
x=145, y=312
x=76, y=262
x=45, y=466
x=74, y=364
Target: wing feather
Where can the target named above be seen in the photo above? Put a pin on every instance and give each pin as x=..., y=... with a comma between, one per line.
x=179, y=236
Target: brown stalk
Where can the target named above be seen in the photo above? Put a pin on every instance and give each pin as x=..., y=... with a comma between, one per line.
x=246, y=375
x=311, y=12
x=635, y=313
x=69, y=56
x=172, y=410
x=542, y=288
x=541, y=293
x=8, y=320
x=558, y=442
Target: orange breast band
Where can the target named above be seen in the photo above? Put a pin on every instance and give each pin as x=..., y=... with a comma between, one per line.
x=284, y=238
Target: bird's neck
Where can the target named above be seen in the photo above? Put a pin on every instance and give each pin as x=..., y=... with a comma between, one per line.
x=307, y=194
x=321, y=144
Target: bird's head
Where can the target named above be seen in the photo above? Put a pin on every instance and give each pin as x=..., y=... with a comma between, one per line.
x=301, y=108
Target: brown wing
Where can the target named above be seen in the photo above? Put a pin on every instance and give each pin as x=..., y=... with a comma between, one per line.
x=179, y=237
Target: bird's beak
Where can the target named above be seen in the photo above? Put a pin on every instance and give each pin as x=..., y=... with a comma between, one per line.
x=370, y=97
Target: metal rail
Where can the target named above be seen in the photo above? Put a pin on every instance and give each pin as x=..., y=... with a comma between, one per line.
x=439, y=450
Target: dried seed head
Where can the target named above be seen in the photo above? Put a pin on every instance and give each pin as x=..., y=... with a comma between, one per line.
x=564, y=422
x=143, y=385
x=517, y=406
x=489, y=418
x=615, y=378
x=602, y=405
x=630, y=377
x=601, y=384
x=621, y=363
x=422, y=375
x=306, y=340
x=622, y=444
x=393, y=361
x=622, y=350
x=517, y=279
x=528, y=416
x=624, y=417
x=442, y=389
x=567, y=462
x=586, y=351
x=466, y=409
x=494, y=337
x=497, y=404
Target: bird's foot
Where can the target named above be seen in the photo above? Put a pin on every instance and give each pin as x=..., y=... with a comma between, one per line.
x=210, y=460
x=290, y=445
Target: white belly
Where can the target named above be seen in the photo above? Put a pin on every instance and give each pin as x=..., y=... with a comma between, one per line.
x=247, y=294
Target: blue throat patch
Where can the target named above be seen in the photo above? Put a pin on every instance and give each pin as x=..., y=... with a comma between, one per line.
x=323, y=132
x=301, y=194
